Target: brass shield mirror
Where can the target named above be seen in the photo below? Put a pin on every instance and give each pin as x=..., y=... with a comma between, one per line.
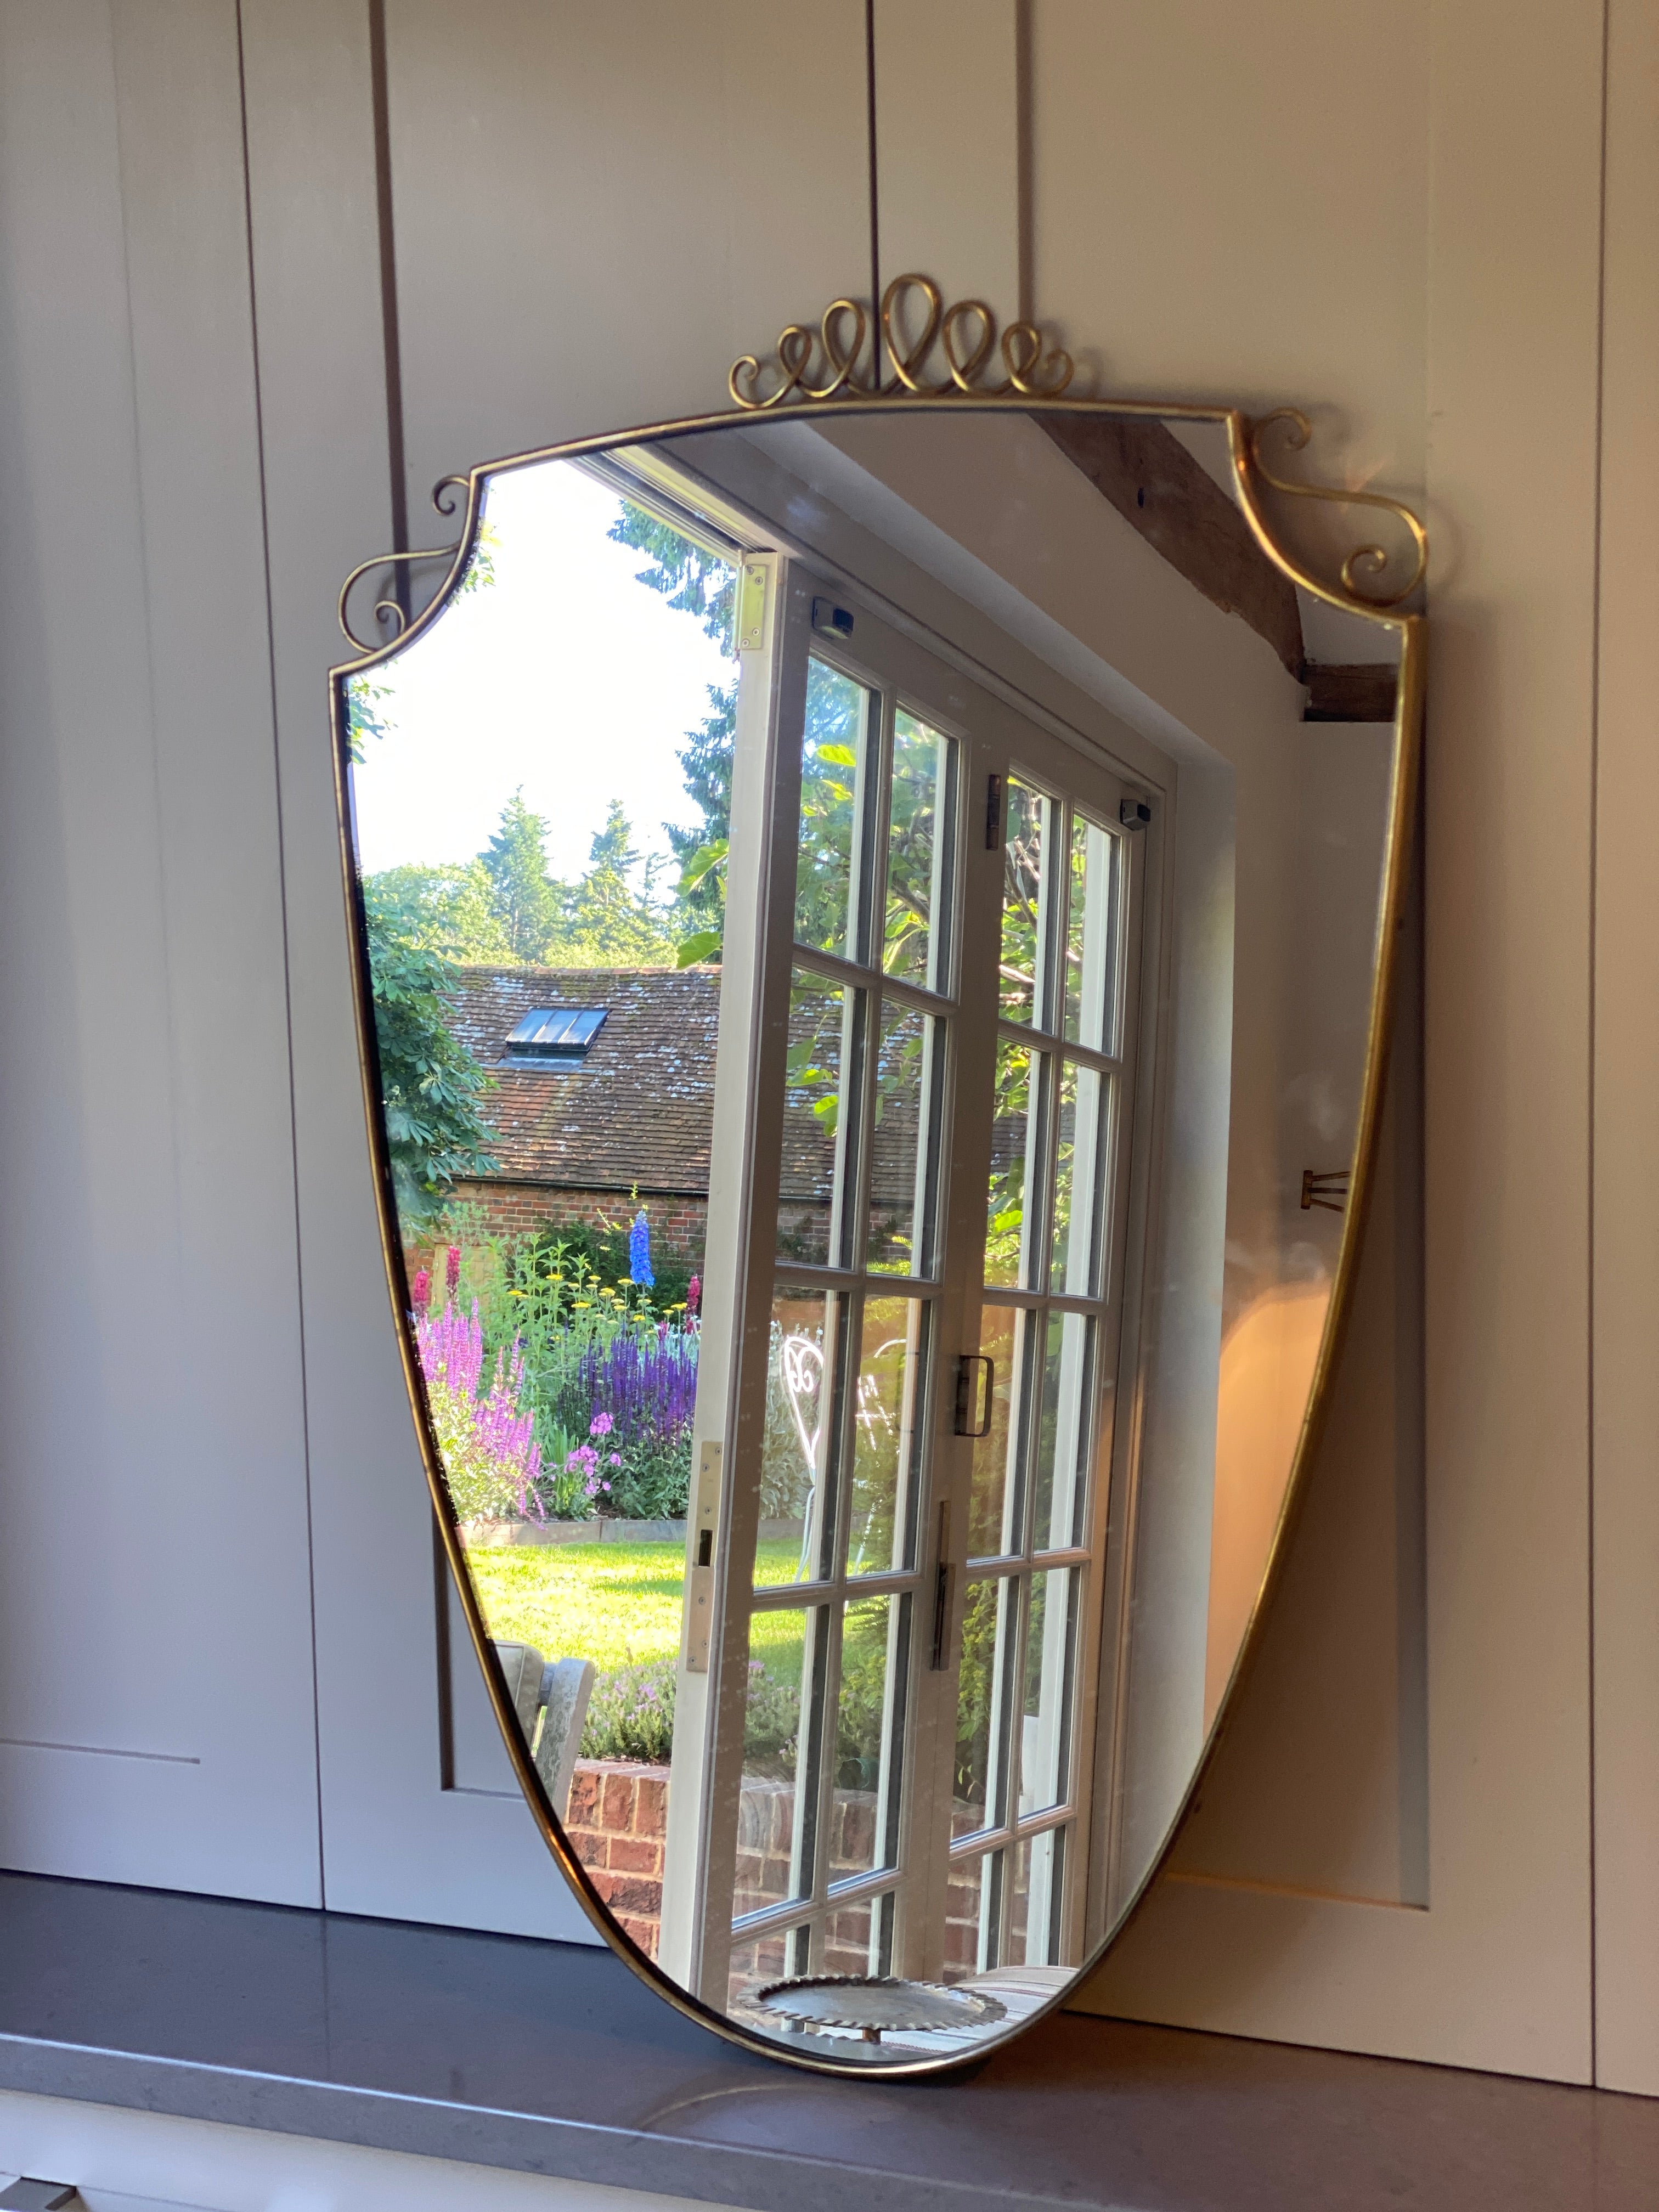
x=873, y=918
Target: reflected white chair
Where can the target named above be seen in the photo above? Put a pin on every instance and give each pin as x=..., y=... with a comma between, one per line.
x=550, y=1699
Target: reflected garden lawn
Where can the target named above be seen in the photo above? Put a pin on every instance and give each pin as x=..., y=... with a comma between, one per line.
x=618, y=1605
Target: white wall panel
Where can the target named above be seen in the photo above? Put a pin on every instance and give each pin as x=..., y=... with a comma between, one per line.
x=1496, y=1970
x=598, y=210
x=949, y=130
x=395, y=1840
x=155, y=1680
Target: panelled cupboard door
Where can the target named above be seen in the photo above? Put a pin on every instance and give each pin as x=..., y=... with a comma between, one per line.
x=518, y=249
x=155, y=1675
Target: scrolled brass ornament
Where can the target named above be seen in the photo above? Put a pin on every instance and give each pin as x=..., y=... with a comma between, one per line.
x=1372, y=558
x=966, y=333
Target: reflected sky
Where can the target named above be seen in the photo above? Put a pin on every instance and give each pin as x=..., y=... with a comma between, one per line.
x=567, y=678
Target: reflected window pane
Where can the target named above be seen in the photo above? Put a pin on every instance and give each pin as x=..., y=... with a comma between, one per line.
x=919, y=859
x=904, y=1143
x=822, y=1080
x=1012, y=1251
x=984, y=1704
x=1093, y=930
x=864, y=1807
x=886, y=1409
x=1060, y=1442
x=1045, y=1719
x=757, y=1963
x=972, y=1911
x=777, y=1793
x=1025, y=905
x=835, y=781
x=991, y=1499
x=798, y=1448
x=850, y=1938
x=1080, y=1153
x=1034, y=1921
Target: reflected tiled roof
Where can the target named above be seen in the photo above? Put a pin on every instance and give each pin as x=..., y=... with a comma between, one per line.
x=638, y=1108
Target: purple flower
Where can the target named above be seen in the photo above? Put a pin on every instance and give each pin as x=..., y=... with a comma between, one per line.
x=616, y=1459
x=643, y=1385
x=451, y=1347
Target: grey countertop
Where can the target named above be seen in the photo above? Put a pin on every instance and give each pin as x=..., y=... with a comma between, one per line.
x=551, y=2058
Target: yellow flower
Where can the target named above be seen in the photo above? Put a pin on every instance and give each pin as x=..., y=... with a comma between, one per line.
x=582, y=1304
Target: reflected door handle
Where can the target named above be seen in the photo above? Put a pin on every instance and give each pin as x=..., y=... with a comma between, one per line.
x=965, y=1365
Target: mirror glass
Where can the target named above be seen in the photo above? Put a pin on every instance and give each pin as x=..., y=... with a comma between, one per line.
x=874, y=926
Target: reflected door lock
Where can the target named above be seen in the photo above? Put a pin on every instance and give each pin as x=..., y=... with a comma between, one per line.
x=700, y=1574
x=970, y=1423
x=830, y=621
x=1134, y=814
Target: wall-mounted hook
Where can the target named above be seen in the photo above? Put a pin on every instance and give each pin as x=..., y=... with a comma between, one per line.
x=1326, y=1186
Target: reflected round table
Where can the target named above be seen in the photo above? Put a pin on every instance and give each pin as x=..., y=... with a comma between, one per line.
x=876, y=2004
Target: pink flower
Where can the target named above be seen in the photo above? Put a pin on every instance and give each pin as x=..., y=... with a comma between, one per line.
x=421, y=1289
x=616, y=1459
x=452, y=1269
x=694, y=1294
x=600, y=1426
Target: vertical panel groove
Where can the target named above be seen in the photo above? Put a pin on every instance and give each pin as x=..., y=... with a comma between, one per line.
x=288, y=976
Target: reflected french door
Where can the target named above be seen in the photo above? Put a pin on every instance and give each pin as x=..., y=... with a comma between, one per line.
x=893, y=1771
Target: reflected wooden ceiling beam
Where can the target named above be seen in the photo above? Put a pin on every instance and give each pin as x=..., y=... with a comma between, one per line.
x=1362, y=692
x=1155, y=483
x=1181, y=512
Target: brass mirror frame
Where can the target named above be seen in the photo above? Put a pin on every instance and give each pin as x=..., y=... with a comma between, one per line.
x=966, y=336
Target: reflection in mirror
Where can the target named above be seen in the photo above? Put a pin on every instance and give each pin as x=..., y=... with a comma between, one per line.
x=874, y=930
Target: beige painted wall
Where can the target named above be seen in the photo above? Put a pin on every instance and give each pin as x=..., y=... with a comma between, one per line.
x=1411, y=235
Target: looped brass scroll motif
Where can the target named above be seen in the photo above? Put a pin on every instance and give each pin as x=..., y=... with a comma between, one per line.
x=1373, y=559
x=966, y=332
x=391, y=611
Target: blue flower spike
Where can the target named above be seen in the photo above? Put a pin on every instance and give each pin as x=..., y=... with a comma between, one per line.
x=639, y=1252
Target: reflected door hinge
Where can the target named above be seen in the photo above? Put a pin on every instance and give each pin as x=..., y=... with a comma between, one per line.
x=754, y=578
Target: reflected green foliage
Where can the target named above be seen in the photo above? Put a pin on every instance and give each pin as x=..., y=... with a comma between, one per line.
x=606, y=919
x=973, y=1685
x=506, y=909
x=700, y=584
x=859, y=1707
x=523, y=895
x=450, y=909
x=1005, y=1227
x=832, y=747
x=913, y=809
x=1024, y=858
x=618, y=1605
x=431, y=1083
